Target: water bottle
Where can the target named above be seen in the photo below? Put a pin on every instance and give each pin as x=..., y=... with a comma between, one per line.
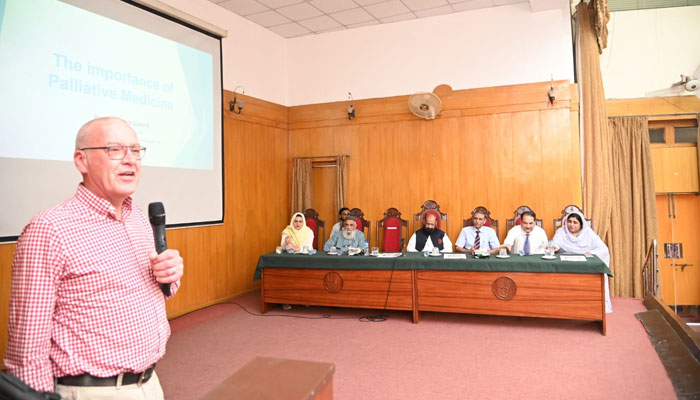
x=365, y=248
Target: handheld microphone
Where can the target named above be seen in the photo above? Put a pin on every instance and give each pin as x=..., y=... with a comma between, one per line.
x=156, y=214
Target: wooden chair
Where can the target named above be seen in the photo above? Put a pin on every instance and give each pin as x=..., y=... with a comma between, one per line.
x=492, y=223
x=313, y=222
x=516, y=217
x=394, y=231
x=362, y=223
x=431, y=207
x=566, y=211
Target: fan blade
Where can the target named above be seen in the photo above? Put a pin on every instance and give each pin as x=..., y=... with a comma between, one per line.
x=672, y=91
x=696, y=74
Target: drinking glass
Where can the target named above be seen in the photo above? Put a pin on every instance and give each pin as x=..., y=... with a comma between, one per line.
x=375, y=251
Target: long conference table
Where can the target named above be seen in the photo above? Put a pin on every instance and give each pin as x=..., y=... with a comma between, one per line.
x=526, y=286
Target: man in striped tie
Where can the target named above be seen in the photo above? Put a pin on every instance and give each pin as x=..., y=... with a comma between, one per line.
x=477, y=237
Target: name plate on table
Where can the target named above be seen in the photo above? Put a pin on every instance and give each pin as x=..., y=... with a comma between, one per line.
x=449, y=256
x=388, y=255
x=573, y=258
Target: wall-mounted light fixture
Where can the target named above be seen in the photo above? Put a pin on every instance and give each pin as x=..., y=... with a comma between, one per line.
x=236, y=105
x=351, y=107
x=550, y=93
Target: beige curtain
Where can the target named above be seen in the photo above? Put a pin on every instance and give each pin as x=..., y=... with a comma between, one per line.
x=301, y=185
x=634, y=224
x=597, y=175
x=341, y=181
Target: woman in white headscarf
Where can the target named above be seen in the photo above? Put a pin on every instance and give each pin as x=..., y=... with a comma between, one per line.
x=297, y=235
x=576, y=237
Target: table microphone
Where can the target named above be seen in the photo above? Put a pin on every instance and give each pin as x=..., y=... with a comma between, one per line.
x=156, y=214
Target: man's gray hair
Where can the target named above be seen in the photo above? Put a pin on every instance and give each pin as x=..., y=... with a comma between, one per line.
x=351, y=218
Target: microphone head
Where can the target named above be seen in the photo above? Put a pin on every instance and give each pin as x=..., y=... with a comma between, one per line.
x=156, y=213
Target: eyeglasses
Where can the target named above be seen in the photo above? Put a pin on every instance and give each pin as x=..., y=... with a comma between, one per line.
x=119, y=152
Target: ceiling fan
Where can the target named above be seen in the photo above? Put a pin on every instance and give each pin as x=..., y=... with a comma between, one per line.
x=425, y=105
x=687, y=83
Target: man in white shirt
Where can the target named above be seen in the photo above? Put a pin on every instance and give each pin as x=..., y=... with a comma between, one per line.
x=477, y=237
x=526, y=238
x=342, y=214
x=428, y=237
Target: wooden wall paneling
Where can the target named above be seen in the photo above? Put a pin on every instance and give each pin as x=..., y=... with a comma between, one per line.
x=449, y=164
x=527, y=161
x=458, y=144
x=561, y=157
x=675, y=169
x=6, y=251
x=502, y=171
x=652, y=106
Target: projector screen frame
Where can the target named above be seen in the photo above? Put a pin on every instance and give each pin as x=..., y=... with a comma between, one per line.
x=172, y=18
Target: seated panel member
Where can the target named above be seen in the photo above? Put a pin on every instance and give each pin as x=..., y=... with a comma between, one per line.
x=419, y=241
x=477, y=237
x=526, y=237
x=297, y=235
x=348, y=237
x=342, y=214
x=576, y=237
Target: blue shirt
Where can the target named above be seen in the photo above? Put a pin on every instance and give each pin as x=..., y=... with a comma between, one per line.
x=488, y=240
x=339, y=241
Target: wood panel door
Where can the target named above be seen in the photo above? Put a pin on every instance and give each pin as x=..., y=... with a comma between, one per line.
x=678, y=216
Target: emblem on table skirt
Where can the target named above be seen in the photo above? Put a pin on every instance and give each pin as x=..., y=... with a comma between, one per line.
x=504, y=288
x=333, y=282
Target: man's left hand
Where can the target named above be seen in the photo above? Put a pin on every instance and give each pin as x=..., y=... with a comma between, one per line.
x=167, y=266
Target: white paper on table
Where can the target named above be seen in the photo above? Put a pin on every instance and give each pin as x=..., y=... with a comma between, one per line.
x=573, y=258
x=455, y=256
x=388, y=255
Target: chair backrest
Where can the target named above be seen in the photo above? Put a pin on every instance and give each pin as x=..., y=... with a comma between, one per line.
x=516, y=217
x=363, y=225
x=394, y=231
x=566, y=211
x=492, y=223
x=315, y=224
x=430, y=207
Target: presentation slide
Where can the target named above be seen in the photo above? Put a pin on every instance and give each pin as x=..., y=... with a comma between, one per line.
x=65, y=64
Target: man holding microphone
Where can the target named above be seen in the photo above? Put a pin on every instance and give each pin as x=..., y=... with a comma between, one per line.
x=87, y=313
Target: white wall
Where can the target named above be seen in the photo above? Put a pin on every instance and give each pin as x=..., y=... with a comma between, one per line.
x=488, y=47
x=253, y=56
x=649, y=49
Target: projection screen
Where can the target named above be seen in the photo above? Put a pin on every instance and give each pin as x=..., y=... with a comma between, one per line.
x=67, y=62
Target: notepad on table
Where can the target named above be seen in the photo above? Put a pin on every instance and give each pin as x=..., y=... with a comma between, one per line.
x=573, y=258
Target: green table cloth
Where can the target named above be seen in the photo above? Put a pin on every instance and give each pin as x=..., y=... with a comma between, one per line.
x=417, y=261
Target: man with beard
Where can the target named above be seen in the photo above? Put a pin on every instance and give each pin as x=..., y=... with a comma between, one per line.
x=348, y=237
x=342, y=214
x=429, y=237
x=477, y=237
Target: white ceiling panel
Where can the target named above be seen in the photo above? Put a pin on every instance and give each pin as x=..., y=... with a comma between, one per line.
x=292, y=18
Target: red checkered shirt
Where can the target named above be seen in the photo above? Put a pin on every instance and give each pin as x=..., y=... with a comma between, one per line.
x=84, y=298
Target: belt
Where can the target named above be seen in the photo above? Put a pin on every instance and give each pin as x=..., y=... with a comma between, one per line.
x=127, y=378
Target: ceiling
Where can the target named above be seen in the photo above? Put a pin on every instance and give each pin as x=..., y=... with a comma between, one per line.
x=293, y=18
